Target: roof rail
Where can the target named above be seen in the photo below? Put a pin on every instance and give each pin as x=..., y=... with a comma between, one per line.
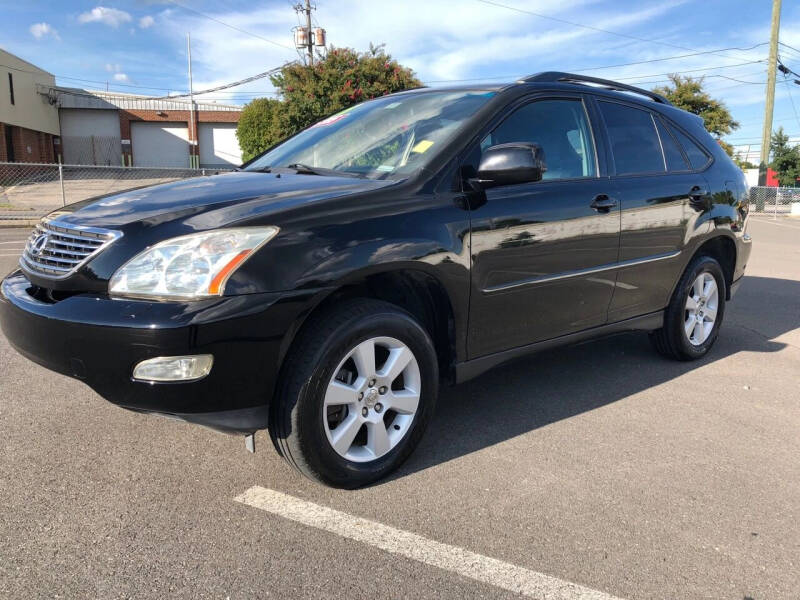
x=554, y=76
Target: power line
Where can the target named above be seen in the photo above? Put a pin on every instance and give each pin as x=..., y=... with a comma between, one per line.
x=791, y=99
x=790, y=47
x=590, y=27
x=691, y=71
x=226, y=85
x=510, y=77
x=629, y=64
x=250, y=33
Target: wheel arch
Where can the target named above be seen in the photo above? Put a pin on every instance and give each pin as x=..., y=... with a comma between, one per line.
x=413, y=288
x=722, y=248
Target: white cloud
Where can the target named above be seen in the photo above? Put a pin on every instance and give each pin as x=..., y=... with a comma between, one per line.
x=146, y=21
x=108, y=16
x=42, y=30
x=440, y=46
x=113, y=68
x=121, y=77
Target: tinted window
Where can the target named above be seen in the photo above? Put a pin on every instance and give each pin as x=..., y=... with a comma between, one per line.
x=633, y=138
x=672, y=154
x=560, y=127
x=697, y=157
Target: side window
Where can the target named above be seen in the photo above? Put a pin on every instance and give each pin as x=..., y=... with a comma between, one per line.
x=697, y=157
x=560, y=127
x=633, y=137
x=672, y=154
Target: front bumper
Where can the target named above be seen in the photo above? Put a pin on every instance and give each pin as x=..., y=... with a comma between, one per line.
x=99, y=340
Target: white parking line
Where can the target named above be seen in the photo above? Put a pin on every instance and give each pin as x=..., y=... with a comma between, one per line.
x=774, y=222
x=444, y=556
x=16, y=242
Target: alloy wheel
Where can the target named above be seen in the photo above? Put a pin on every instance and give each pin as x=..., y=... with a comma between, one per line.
x=700, y=314
x=371, y=400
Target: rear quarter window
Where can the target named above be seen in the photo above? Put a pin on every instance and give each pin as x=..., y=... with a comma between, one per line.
x=697, y=156
x=672, y=154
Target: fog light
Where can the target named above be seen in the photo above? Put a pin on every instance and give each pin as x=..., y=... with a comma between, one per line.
x=174, y=368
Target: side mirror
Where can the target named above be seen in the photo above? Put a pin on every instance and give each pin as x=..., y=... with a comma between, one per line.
x=506, y=164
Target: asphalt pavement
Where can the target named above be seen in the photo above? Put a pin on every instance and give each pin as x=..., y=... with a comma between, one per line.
x=601, y=465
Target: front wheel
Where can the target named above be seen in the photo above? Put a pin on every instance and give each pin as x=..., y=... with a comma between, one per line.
x=359, y=388
x=694, y=315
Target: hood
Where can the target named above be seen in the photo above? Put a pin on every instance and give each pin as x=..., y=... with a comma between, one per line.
x=212, y=201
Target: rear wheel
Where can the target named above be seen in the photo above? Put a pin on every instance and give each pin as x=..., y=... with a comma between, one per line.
x=359, y=389
x=694, y=315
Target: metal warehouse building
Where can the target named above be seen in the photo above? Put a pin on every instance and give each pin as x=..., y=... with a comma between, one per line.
x=102, y=128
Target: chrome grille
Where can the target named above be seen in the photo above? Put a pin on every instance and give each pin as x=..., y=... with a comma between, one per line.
x=56, y=250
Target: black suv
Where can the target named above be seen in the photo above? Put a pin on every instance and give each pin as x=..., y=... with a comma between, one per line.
x=326, y=289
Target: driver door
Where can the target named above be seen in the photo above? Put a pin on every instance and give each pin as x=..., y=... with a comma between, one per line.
x=543, y=253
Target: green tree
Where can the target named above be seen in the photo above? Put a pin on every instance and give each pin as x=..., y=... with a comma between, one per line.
x=342, y=78
x=785, y=159
x=688, y=93
x=257, y=129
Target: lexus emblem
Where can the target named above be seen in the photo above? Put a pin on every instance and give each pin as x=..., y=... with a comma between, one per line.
x=38, y=244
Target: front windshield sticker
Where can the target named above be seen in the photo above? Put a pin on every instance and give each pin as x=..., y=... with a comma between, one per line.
x=334, y=118
x=422, y=146
x=330, y=120
x=385, y=168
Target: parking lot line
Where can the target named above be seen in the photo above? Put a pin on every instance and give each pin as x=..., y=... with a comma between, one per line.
x=771, y=221
x=416, y=547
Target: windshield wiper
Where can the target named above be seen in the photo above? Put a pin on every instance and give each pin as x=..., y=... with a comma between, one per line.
x=309, y=170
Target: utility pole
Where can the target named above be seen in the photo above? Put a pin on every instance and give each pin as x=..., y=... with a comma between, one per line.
x=304, y=37
x=310, y=41
x=192, y=132
x=766, y=135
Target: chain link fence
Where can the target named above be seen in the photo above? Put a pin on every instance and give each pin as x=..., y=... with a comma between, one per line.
x=774, y=201
x=92, y=150
x=29, y=190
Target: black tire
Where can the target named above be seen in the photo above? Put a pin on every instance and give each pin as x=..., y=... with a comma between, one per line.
x=297, y=414
x=671, y=340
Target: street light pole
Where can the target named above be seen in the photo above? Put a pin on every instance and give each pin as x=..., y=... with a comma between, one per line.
x=192, y=132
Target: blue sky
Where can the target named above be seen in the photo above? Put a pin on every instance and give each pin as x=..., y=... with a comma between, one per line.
x=139, y=46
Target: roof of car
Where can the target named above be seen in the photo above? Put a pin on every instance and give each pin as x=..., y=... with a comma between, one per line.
x=562, y=80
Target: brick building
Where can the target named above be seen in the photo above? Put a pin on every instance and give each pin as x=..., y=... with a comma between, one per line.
x=113, y=129
x=29, y=125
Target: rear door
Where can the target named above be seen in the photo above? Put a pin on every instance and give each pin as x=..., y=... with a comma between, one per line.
x=656, y=187
x=543, y=258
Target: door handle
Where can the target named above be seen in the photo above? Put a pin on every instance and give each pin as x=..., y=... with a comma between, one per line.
x=698, y=197
x=603, y=203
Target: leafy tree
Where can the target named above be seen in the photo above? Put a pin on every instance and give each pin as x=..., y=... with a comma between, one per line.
x=688, y=93
x=785, y=159
x=342, y=78
x=257, y=126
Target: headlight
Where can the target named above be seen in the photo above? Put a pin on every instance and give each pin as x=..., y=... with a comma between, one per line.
x=189, y=267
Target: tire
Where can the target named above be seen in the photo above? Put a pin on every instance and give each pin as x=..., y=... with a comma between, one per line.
x=679, y=338
x=310, y=405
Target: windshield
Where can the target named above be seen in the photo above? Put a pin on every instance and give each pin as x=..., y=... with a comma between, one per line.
x=384, y=138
